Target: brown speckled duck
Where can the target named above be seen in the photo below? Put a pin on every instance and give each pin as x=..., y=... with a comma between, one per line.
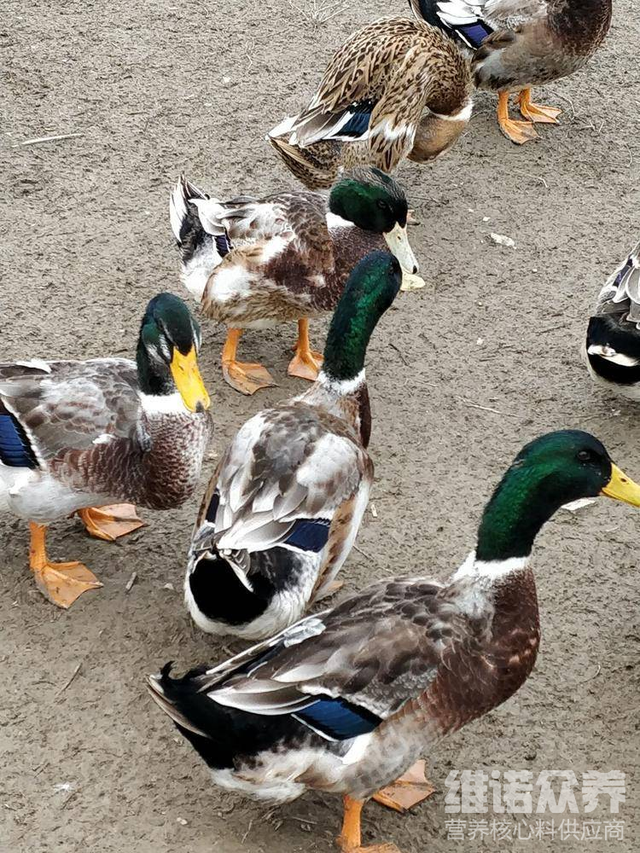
x=76, y=436
x=346, y=700
x=396, y=88
x=518, y=44
x=284, y=506
x=296, y=250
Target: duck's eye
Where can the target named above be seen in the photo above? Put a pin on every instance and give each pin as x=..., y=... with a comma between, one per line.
x=383, y=204
x=585, y=456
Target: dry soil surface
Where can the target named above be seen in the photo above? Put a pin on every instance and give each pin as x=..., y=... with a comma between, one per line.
x=461, y=374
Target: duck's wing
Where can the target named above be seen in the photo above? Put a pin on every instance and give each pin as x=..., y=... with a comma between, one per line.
x=346, y=670
x=373, y=88
x=470, y=22
x=298, y=217
x=66, y=412
x=621, y=292
x=284, y=481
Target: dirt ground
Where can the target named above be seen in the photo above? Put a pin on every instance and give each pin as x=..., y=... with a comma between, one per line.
x=461, y=374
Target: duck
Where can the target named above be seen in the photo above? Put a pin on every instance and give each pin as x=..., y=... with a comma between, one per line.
x=297, y=249
x=284, y=506
x=78, y=436
x=397, y=88
x=612, y=345
x=347, y=699
x=517, y=44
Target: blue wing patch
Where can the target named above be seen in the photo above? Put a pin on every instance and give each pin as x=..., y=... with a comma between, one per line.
x=309, y=534
x=473, y=34
x=15, y=450
x=358, y=124
x=338, y=719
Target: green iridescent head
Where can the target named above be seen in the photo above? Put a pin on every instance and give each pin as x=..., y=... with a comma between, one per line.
x=167, y=352
x=553, y=470
x=375, y=202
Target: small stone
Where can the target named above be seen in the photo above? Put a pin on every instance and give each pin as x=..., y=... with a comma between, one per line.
x=181, y=821
x=503, y=240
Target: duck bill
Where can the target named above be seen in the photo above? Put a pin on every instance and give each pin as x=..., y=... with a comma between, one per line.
x=621, y=488
x=398, y=243
x=184, y=369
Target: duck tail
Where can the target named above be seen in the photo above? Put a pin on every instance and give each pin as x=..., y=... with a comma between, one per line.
x=198, y=226
x=316, y=167
x=183, y=700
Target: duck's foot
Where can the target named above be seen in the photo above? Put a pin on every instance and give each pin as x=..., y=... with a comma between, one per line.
x=349, y=839
x=410, y=789
x=537, y=112
x=517, y=131
x=110, y=522
x=411, y=281
x=306, y=362
x=330, y=589
x=246, y=377
x=61, y=583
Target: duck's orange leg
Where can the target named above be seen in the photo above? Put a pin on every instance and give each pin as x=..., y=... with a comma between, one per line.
x=110, y=522
x=246, y=377
x=517, y=131
x=61, y=583
x=349, y=840
x=536, y=112
x=410, y=789
x=306, y=362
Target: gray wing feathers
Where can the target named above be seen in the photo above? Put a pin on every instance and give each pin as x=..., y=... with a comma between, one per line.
x=72, y=404
x=621, y=292
x=282, y=465
x=375, y=649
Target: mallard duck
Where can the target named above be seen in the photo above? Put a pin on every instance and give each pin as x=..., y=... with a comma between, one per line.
x=345, y=700
x=284, y=506
x=78, y=435
x=517, y=44
x=396, y=88
x=297, y=254
x=612, y=347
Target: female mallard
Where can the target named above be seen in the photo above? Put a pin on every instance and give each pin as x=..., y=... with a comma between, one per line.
x=517, y=44
x=612, y=349
x=284, y=506
x=300, y=252
x=346, y=700
x=75, y=435
x=396, y=88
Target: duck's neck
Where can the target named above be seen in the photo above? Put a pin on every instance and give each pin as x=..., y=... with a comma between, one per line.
x=347, y=399
x=524, y=500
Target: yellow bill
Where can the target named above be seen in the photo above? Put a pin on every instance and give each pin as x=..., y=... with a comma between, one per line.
x=621, y=488
x=184, y=369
